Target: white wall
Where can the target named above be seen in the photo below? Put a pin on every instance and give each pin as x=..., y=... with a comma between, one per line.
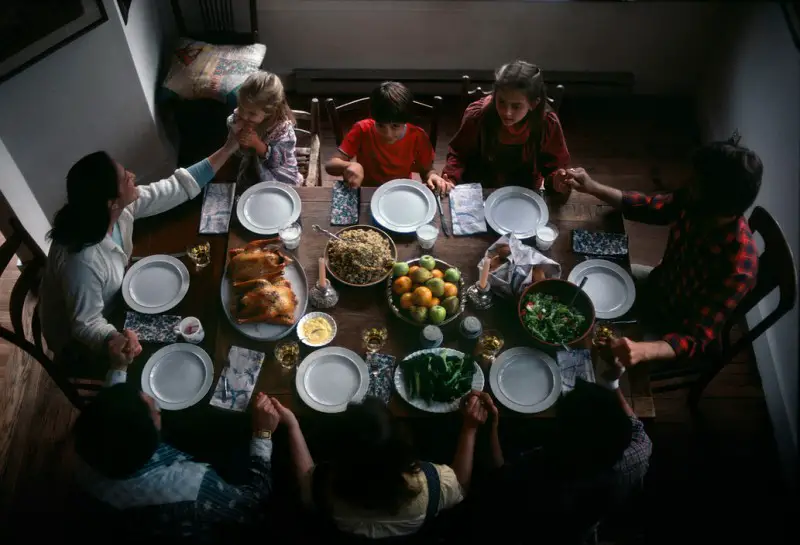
x=755, y=87
x=84, y=97
x=662, y=43
x=19, y=197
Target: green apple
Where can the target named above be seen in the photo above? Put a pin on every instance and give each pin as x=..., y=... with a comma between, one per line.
x=400, y=268
x=427, y=262
x=452, y=275
x=436, y=285
x=437, y=314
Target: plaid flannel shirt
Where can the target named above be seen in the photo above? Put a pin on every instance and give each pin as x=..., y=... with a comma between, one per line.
x=705, y=273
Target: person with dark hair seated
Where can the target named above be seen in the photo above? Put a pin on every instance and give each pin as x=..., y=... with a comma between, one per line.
x=374, y=487
x=154, y=489
x=711, y=260
x=597, y=458
x=92, y=245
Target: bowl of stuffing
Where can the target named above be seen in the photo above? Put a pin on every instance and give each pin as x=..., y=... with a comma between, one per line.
x=363, y=257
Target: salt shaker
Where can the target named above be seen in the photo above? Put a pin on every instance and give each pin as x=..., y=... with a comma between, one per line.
x=323, y=295
x=431, y=337
x=470, y=329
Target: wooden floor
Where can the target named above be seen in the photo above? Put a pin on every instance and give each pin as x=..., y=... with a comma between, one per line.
x=716, y=481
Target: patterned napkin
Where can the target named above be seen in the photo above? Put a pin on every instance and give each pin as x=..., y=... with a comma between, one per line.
x=599, y=243
x=344, y=204
x=153, y=328
x=237, y=380
x=215, y=217
x=573, y=365
x=466, y=209
x=381, y=376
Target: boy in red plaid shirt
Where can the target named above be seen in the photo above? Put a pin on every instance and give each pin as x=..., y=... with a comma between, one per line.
x=710, y=262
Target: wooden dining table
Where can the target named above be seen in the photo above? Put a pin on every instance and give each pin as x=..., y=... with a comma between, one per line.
x=359, y=308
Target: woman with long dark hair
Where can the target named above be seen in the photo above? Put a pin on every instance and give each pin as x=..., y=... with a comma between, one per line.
x=511, y=137
x=92, y=244
x=374, y=486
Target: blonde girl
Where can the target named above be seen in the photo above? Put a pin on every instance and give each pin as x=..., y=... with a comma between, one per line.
x=264, y=125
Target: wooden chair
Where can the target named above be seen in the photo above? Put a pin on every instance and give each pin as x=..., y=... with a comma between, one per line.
x=217, y=19
x=776, y=269
x=468, y=96
x=308, y=158
x=78, y=391
x=422, y=111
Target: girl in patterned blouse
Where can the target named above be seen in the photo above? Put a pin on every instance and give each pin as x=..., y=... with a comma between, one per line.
x=264, y=125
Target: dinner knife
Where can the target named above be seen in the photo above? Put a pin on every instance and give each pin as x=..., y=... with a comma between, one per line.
x=441, y=216
x=178, y=255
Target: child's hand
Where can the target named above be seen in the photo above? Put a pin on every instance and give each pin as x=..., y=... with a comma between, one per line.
x=438, y=184
x=354, y=174
x=248, y=138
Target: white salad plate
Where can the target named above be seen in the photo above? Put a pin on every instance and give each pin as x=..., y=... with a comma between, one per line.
x=403, y=205
x=525, y=380
x=516, y=210
x=330, y=378
x=155, y=284
x=178, y=376
x=478, y=380
x=296, y=276
x=267, y=206
x=609, y=286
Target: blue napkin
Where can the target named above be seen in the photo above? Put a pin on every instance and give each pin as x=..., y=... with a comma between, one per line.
x=381, y=376
x=344, y=204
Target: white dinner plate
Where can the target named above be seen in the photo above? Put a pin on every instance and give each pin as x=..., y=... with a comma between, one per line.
x=267, y=206
x=517, y=210
x=525, y=380
x=178, y=376
x=403, y=205
x=478, y=381
x=330, y=378
x=155, y=284
x=296, y=276
x=609, y=286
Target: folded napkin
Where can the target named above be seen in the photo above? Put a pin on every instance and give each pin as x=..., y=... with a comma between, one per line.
x=215, y=217
x=512, y=277
x=599, y=243
x=153, y=328
x=344, y=204
x=466, y=209
x=573, y=365
x=237, y=380
x=381, y=376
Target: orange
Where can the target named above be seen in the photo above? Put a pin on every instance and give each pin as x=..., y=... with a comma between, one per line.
x=401, y=285
x=412, y=268
x=422, y=296
x=406, y=301
x=434, y=301
x=450, y=289
x=437, y=273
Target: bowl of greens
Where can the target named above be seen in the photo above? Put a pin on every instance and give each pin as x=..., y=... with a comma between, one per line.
x=549, y=314
x=436, y=379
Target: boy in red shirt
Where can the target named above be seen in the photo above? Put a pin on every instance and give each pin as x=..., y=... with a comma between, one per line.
x=386, y=144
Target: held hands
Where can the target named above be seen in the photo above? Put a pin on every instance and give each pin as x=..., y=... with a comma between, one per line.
x=249, y=139
x=628, y=352
x=287, y=416
x=560, y=181
x=476, y=408
x=439, y=184
x=579, y=180
x=354, y=175
x=265, y=415
x=122, y=348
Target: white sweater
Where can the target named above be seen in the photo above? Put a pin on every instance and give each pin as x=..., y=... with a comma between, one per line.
x=78, y=287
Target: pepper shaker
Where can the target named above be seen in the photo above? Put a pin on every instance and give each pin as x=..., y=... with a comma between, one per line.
x=470, y=329
x=431, y=337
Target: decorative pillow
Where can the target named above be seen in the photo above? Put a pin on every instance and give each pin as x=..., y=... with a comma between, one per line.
x=203, y=70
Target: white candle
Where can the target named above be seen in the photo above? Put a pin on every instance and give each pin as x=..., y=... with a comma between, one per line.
x=321, y=272
x=484, y=273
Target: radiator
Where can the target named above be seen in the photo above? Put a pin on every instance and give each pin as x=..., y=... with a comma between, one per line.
x=321, y=82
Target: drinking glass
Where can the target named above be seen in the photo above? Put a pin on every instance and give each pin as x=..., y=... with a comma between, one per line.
x=490, y=343
x=200, y=254
x=427, y=235
x=374, y=338
x=290, y=235
x=287, y=353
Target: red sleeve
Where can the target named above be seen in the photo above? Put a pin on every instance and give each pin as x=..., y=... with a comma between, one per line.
x=423, y=152
x=659, y=209
x=723, y=298
x=553, y=154
x=465, y=142
x=352, y=141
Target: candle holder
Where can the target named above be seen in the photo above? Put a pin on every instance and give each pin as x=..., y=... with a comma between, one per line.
x=323, y=296
x=480, y=298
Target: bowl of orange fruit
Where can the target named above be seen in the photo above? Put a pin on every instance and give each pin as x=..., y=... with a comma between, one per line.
x=425, y=291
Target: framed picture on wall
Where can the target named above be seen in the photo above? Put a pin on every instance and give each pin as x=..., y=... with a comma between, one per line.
x=124, y=9
x=31, y=30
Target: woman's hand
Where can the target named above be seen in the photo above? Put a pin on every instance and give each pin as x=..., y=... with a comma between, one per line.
x=439, y=184
x=249, y=139
x=579, y=180
x=560, y=184
x=473, y=411
x=122, y=348
x=491, y=408
x=265, y=415
x=628, y=352
x=354, y=174
x=287, y=416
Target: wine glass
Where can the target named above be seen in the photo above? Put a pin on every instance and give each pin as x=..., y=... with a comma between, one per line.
x=200, y=254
